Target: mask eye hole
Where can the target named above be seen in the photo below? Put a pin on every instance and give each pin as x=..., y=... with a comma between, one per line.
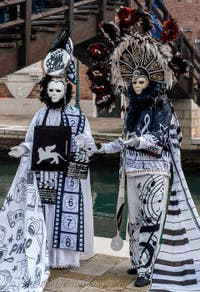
x=51, y=90
x=141, y=82
x=58, y=90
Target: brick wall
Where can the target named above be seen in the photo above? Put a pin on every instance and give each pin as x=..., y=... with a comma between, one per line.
x=183, y=111
x=35, y=92
x=187, y=13
x=4, y=92
x=85, y=93
x=189, y=118
x=195, y=109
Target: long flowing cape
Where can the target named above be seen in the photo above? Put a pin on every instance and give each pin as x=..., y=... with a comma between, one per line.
x=23, y=247
x=177, y=266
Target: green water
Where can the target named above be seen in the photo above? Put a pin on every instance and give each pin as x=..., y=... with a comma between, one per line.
x=104, y=185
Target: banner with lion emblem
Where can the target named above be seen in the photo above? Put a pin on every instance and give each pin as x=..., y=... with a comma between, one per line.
x=51, y=147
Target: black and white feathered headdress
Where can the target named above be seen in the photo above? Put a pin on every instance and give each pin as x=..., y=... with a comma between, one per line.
x=141, y=52
x=130, y=48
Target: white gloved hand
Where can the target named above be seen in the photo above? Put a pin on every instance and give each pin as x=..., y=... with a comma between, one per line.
x=84, y=142
x=134, y=140
x=121, y=141
x=101, y=150
x=18, y=151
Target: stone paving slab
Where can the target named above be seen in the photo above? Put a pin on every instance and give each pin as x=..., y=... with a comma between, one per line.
x=120, y=268
x=114, y=282
x=100, y=273
x=93, y=268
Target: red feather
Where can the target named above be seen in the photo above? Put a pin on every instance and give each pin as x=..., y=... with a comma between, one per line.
x=99, y=75
x=98, y=51
x=125, y=15
x=129, y=17
x=170, y=31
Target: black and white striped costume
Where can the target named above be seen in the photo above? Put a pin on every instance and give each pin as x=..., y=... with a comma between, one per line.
x=177, y=266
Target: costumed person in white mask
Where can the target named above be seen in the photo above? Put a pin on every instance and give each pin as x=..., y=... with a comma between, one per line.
x=143, y=69
x=59, y=144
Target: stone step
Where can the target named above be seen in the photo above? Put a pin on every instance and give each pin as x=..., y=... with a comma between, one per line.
x=86, y=11
x=89, y=7
x=115, y=2
x=80, y=17
x=42, y=28
x=8, y=45
x=48, y=22
x=10, y=36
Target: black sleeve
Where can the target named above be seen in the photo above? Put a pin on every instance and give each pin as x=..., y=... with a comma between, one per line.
x=161, y=119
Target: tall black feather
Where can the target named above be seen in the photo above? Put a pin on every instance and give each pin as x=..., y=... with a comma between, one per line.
x=60, y=40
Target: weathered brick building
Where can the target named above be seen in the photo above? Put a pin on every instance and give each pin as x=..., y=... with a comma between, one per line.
x=187, y=13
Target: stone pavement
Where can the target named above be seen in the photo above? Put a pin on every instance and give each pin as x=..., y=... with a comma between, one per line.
x=100, y=273
x=105, y=271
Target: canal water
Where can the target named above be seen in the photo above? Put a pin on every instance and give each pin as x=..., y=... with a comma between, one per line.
x=104, y=185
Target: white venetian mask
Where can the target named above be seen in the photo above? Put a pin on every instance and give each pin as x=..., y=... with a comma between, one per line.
x=140, y=83
x=56, y=90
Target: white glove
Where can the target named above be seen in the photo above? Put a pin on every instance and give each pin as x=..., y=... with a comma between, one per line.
x=134, y=140
x=84, y=142
x=101, y=150
x=18, y=151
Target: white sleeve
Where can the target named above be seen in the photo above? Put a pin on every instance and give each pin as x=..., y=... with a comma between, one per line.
x=28, y=143
x=147, y=141
x=90, y=140
x=87, y=129
x=113, y=147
